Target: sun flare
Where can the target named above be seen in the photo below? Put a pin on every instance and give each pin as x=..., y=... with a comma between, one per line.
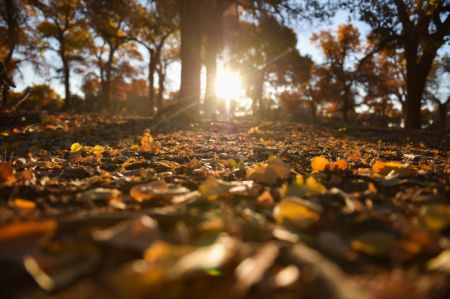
x=228, y=85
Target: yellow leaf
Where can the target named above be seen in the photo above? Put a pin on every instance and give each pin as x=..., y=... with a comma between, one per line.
x=292, y=210
x=383, y=168
x=134, y=147
x=254, y=130
x=299, y=180
x=23, y=204
x=315, y=186
x=98, y=149
x=75, y=147
x=319, y=163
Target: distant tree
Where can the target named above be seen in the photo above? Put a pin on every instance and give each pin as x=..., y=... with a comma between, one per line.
x=419, y=28
x=154, y=23
x=340, y=50
x=264, y=53
x=110, y=21
x=169, y=54
x=62, y=29
x=13, y=34
x=383, y=82
x=438, y=89
x=42, y=97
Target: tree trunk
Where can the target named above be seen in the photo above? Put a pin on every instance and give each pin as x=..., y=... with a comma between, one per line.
x=313, y=108
x=5, y=89
x=258, y=92
x=151, y=82
x=66, y=70
x=190, y=57
x=413, y=96
x=211, y=75
x=213, y=35
x=443, y=108
x=11, y=11
x=161, y=87
x=107, y=83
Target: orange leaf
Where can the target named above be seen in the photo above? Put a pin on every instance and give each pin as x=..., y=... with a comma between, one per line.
x=265, y=198
x=340, y=164
x=147, y=141
x=319, y=163
x=22, y=229
x=23, y=204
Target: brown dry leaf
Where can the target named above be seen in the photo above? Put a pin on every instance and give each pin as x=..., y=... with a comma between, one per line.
x=7, y=173
x=27, y=174
x=270, y=172
x=62, y=264
x=435, y=217
x=375, y=243
x=319, y=163
x=355, y=155
x=138, y=233
x=212, y=188
x=157, y=189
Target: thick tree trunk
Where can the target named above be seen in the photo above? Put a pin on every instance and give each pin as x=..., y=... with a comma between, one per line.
x=190, y=57
x=213, y=36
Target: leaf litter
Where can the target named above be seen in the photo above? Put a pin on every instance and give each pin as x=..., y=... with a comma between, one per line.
x=117, y=208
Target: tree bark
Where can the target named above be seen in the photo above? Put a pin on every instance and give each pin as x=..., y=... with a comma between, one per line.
x=212, y=28
x=107, y=82
x=161, y=86
x=151, y=81
x=190, y=58
x=11, y=11
x=66, y=70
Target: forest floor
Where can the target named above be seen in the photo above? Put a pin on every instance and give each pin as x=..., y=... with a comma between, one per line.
x=101, y=207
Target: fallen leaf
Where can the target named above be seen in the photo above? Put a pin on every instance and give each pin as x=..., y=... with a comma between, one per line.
x=75, y=147
x=212, y=188
x=23, y=204
x=319, y=163
x=294, y=211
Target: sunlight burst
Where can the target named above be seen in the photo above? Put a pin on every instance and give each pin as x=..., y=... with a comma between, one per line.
x=228, y=85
